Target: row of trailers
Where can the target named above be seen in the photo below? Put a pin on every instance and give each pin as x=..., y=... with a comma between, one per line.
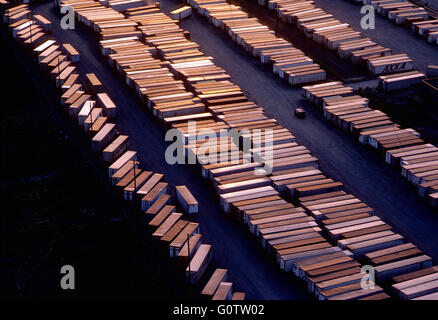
x=334, y=34
x=363, y=118
x=83, y=99
x=409, y=14
x=304, y=219
x=403, y=148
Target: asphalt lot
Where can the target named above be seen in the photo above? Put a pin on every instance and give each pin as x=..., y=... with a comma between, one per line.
x=363, y=171
x=251, y=269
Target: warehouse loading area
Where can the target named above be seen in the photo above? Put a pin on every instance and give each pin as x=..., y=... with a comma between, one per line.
x=294, y=130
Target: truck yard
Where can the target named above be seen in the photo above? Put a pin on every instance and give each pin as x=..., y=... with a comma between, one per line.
x=352, y=180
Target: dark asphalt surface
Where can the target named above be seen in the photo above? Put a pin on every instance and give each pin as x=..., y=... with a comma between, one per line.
x=234, y=248
x=361, y=169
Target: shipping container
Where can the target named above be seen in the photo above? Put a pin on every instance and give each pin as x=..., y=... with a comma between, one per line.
x=224, y=291
x=149, y=185
x=162, y=215
x=95, y=121
x=103, y=137
x=116, y=165
x=119, y=174
x=168, y=223
x=238, y=296
x=186, y=200
x=71, y=52
x=386, y=271
x=181, y=13
x=158, y=190
x=219, y=275
x=199, y=263
x=173, y=231
x=158, y=204
x=85, y=111
x=93, y=83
